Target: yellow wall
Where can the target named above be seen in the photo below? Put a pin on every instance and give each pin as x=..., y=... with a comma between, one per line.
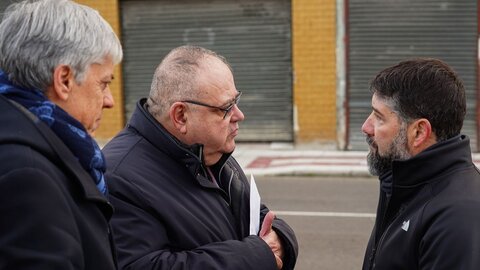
x=314, y=86
x=112, y=120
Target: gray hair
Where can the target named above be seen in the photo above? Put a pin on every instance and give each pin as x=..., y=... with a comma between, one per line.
x=37, y=36
x=175, y=77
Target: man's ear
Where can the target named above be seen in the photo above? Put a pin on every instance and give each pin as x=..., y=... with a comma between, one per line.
x=420, y=133
x=178, y=116
x=63, y=79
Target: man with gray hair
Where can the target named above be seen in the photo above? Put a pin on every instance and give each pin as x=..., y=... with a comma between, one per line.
x=56, y=64
x=181, y=199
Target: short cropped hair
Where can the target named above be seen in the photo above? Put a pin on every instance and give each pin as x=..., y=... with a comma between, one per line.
x=424, y=88
x=176, y=75
x=37, y=36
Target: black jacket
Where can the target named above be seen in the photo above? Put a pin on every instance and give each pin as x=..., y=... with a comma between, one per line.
x=432, y=219
x=169, y=215
x=51, y=214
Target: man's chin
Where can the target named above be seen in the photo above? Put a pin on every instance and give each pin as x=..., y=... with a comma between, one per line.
x=229, y=145
x=93, y=128
x=91, y=132
x=378, y=165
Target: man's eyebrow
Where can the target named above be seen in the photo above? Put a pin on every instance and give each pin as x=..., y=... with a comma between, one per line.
x=377, y=111
x=108, y=77
x=230, y=101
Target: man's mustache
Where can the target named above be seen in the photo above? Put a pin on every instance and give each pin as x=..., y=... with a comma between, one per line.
x=370, y=141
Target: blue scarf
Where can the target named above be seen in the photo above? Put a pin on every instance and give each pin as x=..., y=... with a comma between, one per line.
x=69, y=130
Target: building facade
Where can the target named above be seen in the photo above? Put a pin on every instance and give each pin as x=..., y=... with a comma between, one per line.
x=303, y=65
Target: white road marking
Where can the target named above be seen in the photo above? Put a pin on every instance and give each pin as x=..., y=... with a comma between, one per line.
x=324, y=214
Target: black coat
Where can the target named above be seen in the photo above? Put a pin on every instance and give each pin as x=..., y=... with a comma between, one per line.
x=51, y=214
x=169, y=215
x=432, y=219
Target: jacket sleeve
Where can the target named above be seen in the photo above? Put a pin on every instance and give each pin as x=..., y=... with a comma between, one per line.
x=452, y=238
x=143, y=241
x=36, y=225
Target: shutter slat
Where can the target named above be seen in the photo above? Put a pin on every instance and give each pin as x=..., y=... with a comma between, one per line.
x=253, y=35
x=382, y=33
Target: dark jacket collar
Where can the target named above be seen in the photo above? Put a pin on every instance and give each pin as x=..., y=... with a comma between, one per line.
x=19, y=126
x=433, y=162
x=191, y=155
x=409, y=177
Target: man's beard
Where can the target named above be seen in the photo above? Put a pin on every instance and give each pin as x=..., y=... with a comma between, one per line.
x=398, y=150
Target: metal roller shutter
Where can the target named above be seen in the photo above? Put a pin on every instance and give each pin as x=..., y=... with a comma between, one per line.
x=253, y=35
x=382, y=33
x=3, y=6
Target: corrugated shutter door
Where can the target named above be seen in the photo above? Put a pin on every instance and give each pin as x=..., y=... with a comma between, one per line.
x=383, y=33
x=3, y=6
x=253, y=35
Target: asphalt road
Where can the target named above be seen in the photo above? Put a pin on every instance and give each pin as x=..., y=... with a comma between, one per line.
x=331, y=216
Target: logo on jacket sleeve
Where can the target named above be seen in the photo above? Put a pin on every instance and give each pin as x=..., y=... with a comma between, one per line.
x=405, y=225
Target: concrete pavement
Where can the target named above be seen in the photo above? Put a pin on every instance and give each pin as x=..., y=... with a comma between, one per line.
x=285, y=159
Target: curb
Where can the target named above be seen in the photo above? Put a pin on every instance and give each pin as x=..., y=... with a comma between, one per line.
x=302, y=162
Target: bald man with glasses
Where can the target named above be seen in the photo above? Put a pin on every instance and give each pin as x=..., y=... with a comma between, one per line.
x=181, y=199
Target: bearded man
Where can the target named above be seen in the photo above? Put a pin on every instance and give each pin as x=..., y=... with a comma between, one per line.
x=428, y=212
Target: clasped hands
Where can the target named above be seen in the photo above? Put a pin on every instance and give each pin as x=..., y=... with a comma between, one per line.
x=271, y=238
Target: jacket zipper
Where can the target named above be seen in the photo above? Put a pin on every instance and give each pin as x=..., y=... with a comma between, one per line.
x=383, y=211
x=384, y=234
x=229, y=183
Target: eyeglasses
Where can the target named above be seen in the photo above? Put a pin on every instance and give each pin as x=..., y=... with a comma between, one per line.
x=227, y=110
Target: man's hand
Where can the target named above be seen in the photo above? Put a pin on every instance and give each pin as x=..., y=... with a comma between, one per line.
x=271, y=238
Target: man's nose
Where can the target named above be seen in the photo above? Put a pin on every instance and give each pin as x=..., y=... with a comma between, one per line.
x=108, y=101
x=237, y=114
x=367, y=126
